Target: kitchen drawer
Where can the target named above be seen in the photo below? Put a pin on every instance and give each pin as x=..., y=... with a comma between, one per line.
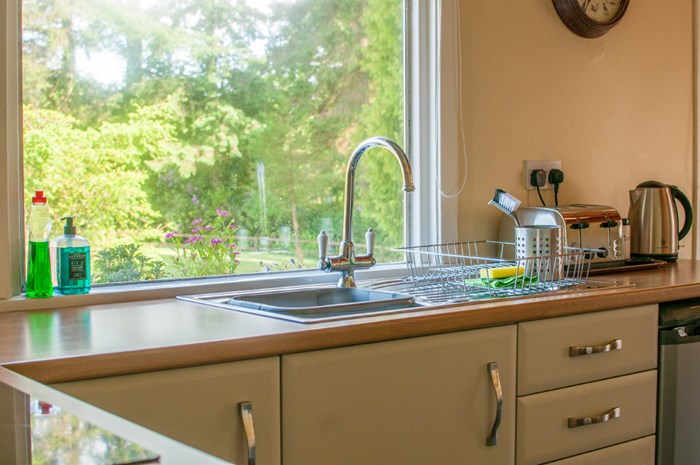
x=637, y=452
x=545, y=362
x=543, y=432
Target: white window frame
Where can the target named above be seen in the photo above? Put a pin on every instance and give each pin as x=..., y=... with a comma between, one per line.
x=10, y=152
x=428, y=87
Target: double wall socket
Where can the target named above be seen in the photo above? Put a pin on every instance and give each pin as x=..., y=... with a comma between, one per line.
x=546, y=165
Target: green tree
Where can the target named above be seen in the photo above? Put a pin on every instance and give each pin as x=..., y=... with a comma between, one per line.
x=172, y=91
x=316, y=88
x=191, y=67
x=382, y=115
x=104, y=188
x=55, y=34
x=208, y=171
x=210, y=91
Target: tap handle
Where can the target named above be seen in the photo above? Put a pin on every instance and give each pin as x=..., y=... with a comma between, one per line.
x=369, y=238
x=322, y=244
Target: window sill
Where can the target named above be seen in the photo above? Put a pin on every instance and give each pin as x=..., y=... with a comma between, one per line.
x=110, y=294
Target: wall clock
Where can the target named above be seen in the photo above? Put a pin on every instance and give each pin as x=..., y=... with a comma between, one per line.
x=590, y=18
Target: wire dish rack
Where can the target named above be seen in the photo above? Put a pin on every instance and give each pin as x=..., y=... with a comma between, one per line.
x=466, y=271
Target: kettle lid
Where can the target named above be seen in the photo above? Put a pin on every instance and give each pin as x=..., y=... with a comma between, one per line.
x=652, y=184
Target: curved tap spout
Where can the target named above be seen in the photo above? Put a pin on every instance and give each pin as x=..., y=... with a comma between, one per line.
x=346, y=262
x=350, y=176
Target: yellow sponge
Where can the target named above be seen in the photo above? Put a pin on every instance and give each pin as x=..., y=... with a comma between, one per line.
x=501, y=272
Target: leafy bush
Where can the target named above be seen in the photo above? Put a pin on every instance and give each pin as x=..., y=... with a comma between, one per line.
x=126, y=263
x=110, y=200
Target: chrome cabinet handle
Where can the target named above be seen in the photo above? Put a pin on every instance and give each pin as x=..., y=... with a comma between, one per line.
x=575, y=422
x=246, y=409
x=575, y=351
x=492, y=367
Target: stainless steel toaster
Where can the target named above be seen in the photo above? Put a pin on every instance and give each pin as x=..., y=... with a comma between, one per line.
x=584, y=226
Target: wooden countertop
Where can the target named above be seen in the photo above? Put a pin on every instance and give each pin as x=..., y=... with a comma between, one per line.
x=102, y=340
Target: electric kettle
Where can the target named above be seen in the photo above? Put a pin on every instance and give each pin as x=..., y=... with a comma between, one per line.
x=653, y=217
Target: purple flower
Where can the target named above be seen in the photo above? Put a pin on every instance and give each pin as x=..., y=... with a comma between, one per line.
x=196, y=229
x=193, y=239
x=172, y=234
x=232, y=226
x=222, y=213
x=208, y=228
x=197, y=221
x=216, y=241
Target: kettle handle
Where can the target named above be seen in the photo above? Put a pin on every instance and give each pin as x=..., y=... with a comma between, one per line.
x=687, y=209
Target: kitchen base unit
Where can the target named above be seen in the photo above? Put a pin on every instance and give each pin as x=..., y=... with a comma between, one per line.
x=415, y=401
x=214, y=408
x=586, y=382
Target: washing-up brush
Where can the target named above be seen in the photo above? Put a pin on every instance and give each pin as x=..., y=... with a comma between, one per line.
x=507, y=203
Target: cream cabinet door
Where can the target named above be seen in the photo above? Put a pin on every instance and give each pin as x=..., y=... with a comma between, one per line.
x=198, y=406
x=419, y=401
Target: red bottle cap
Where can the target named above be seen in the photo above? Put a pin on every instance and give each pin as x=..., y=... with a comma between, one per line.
x=45, y=407
x=39, y=198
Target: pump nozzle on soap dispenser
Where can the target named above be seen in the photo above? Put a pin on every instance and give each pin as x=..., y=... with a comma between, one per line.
x=69, y=228
x=73, y=261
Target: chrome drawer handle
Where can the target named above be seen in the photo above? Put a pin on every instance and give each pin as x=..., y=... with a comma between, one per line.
x=492, y=367
x=575, y=422
x=575, y=351
x=246, y=409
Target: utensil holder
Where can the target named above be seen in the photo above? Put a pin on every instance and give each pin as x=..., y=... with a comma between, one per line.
x=538, y=250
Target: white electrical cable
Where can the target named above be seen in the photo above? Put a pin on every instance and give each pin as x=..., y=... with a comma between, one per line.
x=458, y=86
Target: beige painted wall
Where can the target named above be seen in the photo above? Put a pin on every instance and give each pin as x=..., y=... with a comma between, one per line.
x=617, y=110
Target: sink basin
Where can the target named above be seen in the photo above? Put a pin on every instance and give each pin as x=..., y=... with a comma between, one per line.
x=309, y=300
x=311, y=305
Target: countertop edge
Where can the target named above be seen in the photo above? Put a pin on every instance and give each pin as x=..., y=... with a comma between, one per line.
x=433, y=321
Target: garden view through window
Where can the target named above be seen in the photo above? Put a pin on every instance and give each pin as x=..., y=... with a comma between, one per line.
x=197, y=138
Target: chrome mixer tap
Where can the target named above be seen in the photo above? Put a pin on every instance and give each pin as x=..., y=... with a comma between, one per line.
x=346, y=262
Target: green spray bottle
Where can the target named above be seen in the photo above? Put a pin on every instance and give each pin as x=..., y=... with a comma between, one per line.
x=39, y=283
x=72, y=261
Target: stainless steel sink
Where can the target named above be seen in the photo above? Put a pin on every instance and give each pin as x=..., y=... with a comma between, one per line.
x=316, y=304
x=311, y=305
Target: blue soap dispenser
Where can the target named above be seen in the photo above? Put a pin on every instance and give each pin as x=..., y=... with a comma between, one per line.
x=72, y=261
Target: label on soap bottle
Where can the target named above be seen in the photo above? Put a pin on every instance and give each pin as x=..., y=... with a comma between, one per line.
x=77, y=269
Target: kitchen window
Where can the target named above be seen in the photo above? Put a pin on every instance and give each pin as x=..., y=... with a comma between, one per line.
x=166, y=125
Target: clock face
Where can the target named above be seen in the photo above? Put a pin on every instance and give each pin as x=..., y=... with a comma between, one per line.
x=601, y=11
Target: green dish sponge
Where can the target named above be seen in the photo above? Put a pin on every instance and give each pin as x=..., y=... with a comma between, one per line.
x=501, y=283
